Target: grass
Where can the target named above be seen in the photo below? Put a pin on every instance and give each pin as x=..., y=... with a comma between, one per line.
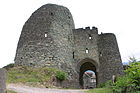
x=100, y=90
x=45, y=76
x=10, y=91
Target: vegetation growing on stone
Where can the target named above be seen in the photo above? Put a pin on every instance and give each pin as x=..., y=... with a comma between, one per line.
x=61, y=75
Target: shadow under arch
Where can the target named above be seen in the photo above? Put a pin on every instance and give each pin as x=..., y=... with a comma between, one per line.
x=84, y=65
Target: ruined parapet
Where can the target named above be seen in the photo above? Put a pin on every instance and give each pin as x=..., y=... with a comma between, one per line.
x=2, y=81
x=109, y=57
x=46, y=38
x=88, y=29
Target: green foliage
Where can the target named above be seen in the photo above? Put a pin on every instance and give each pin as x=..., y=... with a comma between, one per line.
x=21, y=74
x=130, y=82
x=134, y=70
x=123, y=83
x=107, y=84
x=60, y=75
x=132, y=59
x=100, y=90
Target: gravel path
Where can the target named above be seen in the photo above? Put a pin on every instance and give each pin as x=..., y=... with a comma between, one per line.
x=26, y=89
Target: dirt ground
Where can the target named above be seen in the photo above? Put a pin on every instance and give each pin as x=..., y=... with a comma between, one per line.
x=26, y=89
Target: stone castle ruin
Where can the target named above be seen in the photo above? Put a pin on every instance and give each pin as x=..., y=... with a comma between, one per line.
x=49, y=38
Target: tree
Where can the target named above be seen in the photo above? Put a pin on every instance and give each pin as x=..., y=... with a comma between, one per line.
x=130, y=82
x=132, y=60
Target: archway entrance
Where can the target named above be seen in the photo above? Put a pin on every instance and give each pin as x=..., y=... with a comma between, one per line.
x=89, y=79
x=88, y=75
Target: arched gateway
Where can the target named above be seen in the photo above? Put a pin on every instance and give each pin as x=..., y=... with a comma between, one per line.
x=86, y=65
x=49, y=38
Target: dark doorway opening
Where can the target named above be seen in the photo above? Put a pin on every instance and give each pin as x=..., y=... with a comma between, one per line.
x=88, y=75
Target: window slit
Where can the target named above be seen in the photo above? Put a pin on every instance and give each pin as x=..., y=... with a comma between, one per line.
x=46, y=35
x=89, y=36
x=73, y=55
x=87, y=51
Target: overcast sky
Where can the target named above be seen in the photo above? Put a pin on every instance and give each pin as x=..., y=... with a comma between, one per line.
x=121, y=17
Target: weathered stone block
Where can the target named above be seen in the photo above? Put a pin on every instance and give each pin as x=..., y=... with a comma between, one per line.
x=2, y=81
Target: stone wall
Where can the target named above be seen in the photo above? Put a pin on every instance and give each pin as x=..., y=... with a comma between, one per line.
x=46, y=38
x=49, y=38
x=109, y=57
x=2, y=81
x=85, y=44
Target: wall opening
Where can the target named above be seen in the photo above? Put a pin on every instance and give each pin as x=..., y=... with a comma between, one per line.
x=51, y=14
x=89, y=79
x=100, y=53
x=88, y=75
x=73, y=55
x=46, y=35
x=89, y=36
x=21, y=58
x=87, y=50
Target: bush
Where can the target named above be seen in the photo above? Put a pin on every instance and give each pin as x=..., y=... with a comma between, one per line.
x=60, y=75
x=123, y=84
x=130, y=82
x=107, y=84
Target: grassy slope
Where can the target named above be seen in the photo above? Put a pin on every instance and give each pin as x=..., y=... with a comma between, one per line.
x=44, y=76
x=10, y=91
x=100, y=90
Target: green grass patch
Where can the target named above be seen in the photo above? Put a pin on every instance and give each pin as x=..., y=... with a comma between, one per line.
x=32, y=75
x=10, y=91
x=100, y=90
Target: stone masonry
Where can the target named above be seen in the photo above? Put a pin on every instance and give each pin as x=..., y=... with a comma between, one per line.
x=2, y=81
x=49, y=38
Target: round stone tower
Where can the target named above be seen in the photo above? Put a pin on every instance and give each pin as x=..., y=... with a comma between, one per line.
x=47, y=38
x=109, y=57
